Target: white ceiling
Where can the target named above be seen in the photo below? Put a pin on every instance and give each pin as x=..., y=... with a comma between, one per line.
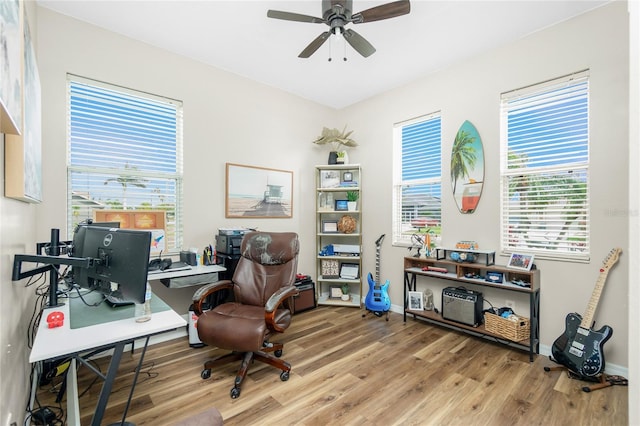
x=238, y=37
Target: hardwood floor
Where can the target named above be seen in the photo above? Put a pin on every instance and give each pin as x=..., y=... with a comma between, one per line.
x=358, y=371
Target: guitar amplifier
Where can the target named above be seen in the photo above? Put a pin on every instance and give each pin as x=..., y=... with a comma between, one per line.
x=462, y=305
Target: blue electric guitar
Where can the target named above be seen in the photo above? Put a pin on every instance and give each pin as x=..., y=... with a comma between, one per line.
x=377, y=300
x=580, y=347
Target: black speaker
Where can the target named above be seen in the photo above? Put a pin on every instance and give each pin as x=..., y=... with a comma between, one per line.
x=462, y=305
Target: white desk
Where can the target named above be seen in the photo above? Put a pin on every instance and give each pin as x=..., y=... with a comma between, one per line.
x=197, y=275
x=51, y=343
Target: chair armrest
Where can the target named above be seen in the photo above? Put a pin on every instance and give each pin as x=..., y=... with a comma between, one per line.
x=203, y=292
x=276, y=300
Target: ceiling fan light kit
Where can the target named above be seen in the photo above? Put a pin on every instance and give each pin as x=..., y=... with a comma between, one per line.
x=338, y=13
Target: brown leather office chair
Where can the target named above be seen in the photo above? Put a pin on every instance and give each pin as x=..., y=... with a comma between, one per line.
x=263, y=289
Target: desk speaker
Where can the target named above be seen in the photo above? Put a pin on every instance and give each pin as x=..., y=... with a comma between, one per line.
x=462, y=305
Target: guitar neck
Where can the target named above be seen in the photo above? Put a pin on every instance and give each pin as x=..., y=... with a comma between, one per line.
x=587, y=318
x=377, y=264
x=612, y=258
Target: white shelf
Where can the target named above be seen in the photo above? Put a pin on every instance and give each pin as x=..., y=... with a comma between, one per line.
x=324, y=212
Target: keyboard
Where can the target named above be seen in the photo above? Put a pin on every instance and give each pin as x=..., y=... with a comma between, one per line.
x=115, y=301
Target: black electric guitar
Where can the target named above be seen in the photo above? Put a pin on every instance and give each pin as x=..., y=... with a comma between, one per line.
x=580, y=348
x=377, y=299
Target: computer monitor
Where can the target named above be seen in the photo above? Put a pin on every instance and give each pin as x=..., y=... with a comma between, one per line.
x=120, y=260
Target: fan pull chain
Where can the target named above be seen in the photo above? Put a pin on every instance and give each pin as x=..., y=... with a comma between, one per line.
x=344, y=49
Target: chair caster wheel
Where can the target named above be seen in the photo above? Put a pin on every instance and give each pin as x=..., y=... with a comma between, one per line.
x=205, y=374
x=235, y=393
x=284, y=376
x=278, y=353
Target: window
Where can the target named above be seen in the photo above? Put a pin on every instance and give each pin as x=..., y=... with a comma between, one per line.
x=545, y=169
x=417, y=183
x=124, y=152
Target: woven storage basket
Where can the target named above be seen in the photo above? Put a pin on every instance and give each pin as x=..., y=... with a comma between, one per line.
x=512, y=330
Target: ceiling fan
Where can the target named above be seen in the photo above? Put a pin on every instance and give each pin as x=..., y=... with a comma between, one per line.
x=336, y=14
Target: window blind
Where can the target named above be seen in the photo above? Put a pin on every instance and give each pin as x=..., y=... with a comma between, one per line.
x=124, y=152
x=417, y=177
x=545, y=169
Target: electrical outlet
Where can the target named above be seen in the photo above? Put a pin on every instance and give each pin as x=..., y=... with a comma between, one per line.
x=509, y=304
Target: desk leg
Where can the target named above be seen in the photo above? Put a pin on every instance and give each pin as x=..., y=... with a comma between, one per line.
x=108, y=384
x=73, y=405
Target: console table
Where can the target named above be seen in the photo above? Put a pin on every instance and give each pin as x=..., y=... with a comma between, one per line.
x=459, y=272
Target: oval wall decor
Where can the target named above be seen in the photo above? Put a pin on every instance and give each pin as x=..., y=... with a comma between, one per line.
x=467, y=168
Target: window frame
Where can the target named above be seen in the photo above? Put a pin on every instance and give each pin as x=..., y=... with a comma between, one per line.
x=551, y=179
x=401, y=237
x=166, y=180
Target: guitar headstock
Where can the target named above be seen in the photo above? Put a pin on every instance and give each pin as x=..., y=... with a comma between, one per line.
x=612, y=258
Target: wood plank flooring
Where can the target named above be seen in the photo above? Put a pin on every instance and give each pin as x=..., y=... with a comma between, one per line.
x=349, y=370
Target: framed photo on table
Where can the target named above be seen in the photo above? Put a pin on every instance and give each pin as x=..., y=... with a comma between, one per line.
x=522, y=262
x=416, y=301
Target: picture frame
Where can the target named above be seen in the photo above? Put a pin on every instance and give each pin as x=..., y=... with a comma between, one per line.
x=330, y=268
x=341, y=205
x=521, y=262
x=329, y=227
x=335, y=292
x=494, y=277
x=329, y=179
x=349, y=271
x=347, y=177
x=258, y=192
x=415, y=301
x=23, y=151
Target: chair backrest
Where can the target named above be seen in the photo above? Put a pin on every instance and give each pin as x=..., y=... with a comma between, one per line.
x=269, y=261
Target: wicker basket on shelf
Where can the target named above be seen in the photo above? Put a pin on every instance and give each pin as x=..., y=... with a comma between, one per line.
x=515, y=330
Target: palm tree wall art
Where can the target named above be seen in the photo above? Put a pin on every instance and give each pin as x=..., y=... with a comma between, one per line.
x=467, y=168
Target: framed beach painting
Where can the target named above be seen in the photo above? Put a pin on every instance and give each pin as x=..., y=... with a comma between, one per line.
x=23, y=153
x=258, y=192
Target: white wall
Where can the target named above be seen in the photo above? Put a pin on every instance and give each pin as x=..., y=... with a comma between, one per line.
x=634, y=211
x=471, y=91
x=17, y=235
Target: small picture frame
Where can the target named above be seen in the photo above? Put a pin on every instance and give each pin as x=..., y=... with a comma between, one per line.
x=329, y=227
x=521, y=262
x=349, y=271
x=416, y=301
x=494, y=277
x=341, y=206
x=329, y=178
x=330, y=268
x=335, y=292
x=347, y=177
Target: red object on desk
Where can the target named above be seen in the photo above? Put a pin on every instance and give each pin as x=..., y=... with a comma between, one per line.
x=55, y=319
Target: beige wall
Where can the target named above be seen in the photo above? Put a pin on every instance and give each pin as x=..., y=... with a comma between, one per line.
x=231, y=119
x=471, y=91
x=17, y=235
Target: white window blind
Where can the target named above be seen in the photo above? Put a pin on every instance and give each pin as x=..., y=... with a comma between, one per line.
x=124, y=152
x=417, y=186
x=545, y=169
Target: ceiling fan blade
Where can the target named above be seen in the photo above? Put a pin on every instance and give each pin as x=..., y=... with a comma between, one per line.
x=359, y=43
x=314, y=45
x=385, y=11
x=288, y=16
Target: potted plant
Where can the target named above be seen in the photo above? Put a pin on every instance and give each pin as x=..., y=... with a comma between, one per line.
x=352, y=198
x=335, y=139
x=340, y=157
x=345, y=292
